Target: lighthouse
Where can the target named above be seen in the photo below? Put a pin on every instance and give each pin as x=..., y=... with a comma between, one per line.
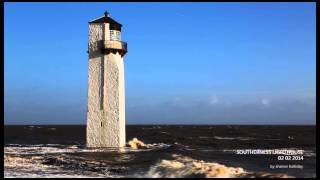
x=106, y=84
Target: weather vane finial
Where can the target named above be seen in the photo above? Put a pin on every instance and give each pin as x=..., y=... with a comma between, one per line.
x=106, y=13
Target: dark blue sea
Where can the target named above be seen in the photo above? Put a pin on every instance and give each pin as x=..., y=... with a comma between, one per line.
x=173, y=151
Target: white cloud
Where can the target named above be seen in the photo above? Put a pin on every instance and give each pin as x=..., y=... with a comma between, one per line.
x=177, y=101
x=213, y=100
x=265, y=102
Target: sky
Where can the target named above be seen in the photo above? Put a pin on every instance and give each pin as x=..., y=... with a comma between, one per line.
x=187, y=63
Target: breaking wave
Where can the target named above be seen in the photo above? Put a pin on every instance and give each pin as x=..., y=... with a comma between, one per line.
x=183, y=166
x=209, y=152
x=39, y=165
x=54, y=160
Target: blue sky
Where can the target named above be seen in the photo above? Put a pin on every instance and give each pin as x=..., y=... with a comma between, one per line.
x=188, y=63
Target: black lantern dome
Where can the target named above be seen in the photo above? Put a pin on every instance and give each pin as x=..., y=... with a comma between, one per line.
x=114, y=25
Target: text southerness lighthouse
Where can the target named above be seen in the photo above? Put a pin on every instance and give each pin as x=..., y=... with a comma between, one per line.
x=106, y=94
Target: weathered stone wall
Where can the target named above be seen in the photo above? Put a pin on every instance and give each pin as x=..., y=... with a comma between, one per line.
x=96, y=34
x=122, y=117
x=106, y=101
x=114, y=98
x=94, y=114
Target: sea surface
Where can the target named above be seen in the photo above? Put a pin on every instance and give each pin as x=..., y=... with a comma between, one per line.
x=174, y=151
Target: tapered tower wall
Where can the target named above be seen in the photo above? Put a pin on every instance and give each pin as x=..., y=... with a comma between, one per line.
x=106, y=92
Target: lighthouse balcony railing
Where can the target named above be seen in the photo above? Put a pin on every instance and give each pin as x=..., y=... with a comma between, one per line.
x=108, y=44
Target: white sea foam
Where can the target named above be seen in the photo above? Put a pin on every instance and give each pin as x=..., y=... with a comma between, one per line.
x=308, y=153
x=74, y=149
x=29, y=162
x=136, y=144
x=234, y=138
x=183, y=166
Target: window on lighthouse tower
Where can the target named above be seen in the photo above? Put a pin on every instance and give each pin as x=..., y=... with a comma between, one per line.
x=115, y=35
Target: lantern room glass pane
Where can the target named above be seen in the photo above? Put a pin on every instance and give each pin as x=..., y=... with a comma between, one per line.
x=115, y=35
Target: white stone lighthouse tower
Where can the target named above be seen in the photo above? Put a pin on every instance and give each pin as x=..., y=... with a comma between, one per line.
x=106, y=94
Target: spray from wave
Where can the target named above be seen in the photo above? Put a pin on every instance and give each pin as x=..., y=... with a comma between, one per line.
x=61, y=161
x=182, y=166
x=136, y=144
